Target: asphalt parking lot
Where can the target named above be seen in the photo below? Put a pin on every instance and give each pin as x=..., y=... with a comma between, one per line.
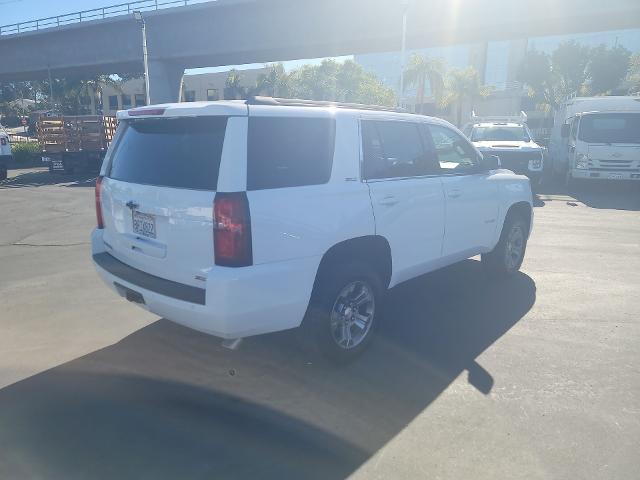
x=537, y=378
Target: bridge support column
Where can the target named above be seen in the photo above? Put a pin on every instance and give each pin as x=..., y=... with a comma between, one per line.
x=165, y=80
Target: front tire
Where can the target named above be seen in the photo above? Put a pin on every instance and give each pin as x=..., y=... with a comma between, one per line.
x=344, y=310
x=505, y=260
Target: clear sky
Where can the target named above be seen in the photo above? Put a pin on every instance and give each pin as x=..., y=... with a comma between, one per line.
x=14, y=11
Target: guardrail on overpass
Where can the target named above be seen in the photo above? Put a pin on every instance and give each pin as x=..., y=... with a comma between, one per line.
x=94, y=14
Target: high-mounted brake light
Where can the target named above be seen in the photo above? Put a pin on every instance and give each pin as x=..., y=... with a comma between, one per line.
x=139, y=112
x=232, y=230
x=99, y=217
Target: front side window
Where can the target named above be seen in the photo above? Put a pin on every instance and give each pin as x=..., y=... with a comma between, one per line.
x=574, y=128
x=455, y=154
x=393, y=149
x=289, y=151
x=169, y=152
x=189, y=95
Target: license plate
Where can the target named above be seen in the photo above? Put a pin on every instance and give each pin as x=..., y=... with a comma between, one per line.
x=144, y=224
x=615, y=176
x=46, y=159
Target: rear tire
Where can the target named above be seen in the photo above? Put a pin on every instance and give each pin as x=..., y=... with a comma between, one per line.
x=343, y=312
x=3, y=172
x=506, y=258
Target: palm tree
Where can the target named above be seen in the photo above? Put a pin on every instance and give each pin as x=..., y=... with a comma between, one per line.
x=463, y=84
x=421, y=70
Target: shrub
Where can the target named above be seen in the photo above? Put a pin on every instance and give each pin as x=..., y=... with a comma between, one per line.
x=24, y=152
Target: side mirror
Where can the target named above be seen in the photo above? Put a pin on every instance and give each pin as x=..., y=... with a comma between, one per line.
x=564, y=130
x=490, y=162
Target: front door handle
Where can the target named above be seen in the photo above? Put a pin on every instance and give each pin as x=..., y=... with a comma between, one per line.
x=454, y=193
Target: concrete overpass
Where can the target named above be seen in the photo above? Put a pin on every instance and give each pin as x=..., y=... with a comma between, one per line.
x=227, y=32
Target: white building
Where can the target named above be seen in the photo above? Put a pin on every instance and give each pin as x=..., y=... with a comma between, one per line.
x=196, y=87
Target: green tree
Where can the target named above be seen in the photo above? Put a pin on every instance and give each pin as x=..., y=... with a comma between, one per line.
x=340, y=82
x=632, y=82
x=607, y=69
x=569, y=65
x=462, y=85
x=273, y=83
x=233, y=89
x=421, y=70
x=552, y=78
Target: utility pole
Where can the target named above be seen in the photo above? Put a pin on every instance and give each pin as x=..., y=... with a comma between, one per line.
x=403, y=52
x=145, y=56
x=53, y=105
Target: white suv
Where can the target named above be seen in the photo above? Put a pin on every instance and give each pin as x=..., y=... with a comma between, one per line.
x=242, y=218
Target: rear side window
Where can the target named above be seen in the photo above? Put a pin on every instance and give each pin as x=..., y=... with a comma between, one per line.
x=170, y=152
x=289, y=151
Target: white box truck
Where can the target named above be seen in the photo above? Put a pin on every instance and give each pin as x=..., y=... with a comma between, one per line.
x=597, y=138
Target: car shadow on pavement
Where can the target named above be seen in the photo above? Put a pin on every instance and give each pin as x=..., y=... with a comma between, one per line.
x=595, y=194
x=168, y=402
x=42, y=177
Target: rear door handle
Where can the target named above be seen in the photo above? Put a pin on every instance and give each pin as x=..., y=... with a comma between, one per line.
x=454, y=193
x=388, y=200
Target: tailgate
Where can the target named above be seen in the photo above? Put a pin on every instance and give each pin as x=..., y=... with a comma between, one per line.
x=157, y=196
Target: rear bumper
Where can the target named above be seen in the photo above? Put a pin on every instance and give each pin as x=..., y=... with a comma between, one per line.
x=604, y=175
x=236, y=302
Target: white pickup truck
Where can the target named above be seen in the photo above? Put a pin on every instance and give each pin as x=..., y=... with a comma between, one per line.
x=238, y=219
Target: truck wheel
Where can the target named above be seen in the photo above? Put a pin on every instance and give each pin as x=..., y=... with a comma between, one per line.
x=343, y=313
x=507, y=257
x=3, y=172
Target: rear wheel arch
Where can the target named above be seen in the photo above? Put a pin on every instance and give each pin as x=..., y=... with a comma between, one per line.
x=373, y=250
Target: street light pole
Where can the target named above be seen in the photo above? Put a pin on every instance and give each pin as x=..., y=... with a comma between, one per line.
x=145, y=57
x=403, y=53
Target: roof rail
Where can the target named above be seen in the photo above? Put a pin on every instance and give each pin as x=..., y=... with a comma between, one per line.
x=297, y=102
x=522, y=118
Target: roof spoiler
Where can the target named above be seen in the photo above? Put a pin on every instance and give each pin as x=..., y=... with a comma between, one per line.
x=522, y=118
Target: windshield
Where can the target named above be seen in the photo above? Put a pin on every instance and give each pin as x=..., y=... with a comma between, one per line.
x=610, y=128
x=500, y=133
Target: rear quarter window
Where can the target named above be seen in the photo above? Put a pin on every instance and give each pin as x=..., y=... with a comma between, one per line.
x=170, y=152
x=289, y=151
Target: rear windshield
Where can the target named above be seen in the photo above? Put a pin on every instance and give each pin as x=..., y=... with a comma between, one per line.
x=610, y=128
x=170, y=152
x=289, y=151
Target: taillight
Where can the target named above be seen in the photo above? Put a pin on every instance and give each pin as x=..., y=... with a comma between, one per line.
x=99, y=202
x=3, y=141
x=232, y=230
